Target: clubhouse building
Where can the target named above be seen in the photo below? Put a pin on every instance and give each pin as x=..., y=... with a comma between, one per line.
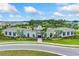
x=38, y=32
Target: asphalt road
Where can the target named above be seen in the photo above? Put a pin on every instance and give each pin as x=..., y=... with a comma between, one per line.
x=57, y=49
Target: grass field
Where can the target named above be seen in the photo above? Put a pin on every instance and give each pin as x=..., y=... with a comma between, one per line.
x=25, y=53
x=63, y=41
x=66, y=40
x=52, y=40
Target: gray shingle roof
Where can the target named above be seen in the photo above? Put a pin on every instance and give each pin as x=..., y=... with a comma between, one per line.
x=61, y=28
x=15, y=29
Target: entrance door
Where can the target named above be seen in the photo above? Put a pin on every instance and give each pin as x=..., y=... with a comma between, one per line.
x=39, y=36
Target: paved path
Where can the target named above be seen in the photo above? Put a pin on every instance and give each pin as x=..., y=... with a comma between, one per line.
x=61, y=50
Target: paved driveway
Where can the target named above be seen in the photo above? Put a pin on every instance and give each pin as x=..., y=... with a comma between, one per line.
x=61, y=50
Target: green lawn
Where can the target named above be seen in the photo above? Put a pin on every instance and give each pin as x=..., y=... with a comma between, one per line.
x=52, y=40
x=63, y=41
x=25, y=53
x=16, y=39
x=66, y=40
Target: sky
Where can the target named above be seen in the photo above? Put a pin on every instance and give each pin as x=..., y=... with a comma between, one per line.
x=38, y=11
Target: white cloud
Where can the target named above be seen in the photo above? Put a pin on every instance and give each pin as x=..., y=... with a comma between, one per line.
x=62, y=4
x=31, y=9
x=73, y=15
x=70, y=15
x=77, y=14
x=15, y=16
x=5, y=7
x=57, y=14
x=70, y=10
x=73, y=8
x=0, y=19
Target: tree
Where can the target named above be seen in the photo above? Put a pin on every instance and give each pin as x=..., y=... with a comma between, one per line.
x=57, y=33
x=20, y=33
x=75, y=26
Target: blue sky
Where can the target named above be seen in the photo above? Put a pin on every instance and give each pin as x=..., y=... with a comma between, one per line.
x=38, y=11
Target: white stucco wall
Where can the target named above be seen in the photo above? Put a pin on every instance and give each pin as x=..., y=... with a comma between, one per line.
x=31, y=33
x=11, y=33
x=34, y=32
x=48, y=33
x=51, y=30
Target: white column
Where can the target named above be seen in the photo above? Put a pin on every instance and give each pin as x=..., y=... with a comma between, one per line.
x=12, y=34
x=70, y=33
x=66, y=34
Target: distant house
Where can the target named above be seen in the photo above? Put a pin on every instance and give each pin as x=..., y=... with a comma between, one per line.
x=13, y=23
x=37, y=32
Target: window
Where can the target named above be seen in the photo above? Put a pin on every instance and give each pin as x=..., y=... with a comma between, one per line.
x=28, y=35
x=50, y=34
x=72, y=33
x=14, y=34
x=33, y=35
x=9, y=33
x=5, y=33
x=67, y=33
x=63, y=33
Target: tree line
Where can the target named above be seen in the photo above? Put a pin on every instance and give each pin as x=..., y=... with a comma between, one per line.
x=55, y=23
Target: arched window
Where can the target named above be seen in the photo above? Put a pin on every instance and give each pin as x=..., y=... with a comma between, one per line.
x=50, y=34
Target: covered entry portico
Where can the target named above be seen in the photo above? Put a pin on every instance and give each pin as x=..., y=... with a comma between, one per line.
x=39, y=34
